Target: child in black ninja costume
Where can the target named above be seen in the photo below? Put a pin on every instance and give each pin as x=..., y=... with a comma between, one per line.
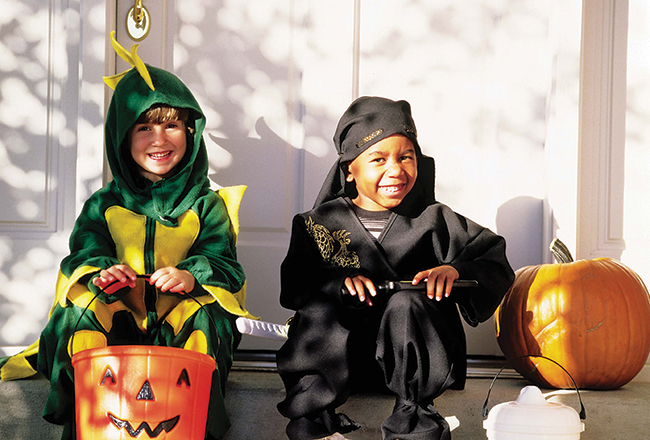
x=376, y=219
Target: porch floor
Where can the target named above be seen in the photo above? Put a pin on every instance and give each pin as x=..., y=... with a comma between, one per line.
x=253, y=394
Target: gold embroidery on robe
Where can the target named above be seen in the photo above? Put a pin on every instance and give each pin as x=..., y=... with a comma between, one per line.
x=327, y=243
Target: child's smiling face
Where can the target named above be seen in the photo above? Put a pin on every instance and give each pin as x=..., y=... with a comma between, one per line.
x=384, y=174
x=158, y=148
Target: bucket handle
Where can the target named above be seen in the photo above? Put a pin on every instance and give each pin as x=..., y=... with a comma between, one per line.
x=583, y=413
x=214, y=326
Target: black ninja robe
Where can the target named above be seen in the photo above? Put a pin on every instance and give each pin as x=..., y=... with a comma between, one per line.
x=411, y=345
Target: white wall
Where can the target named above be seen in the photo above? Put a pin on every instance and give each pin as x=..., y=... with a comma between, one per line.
x=637, y=151
x=637, y=143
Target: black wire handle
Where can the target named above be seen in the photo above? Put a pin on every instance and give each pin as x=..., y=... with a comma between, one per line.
x=583, y=413
x=214, y=326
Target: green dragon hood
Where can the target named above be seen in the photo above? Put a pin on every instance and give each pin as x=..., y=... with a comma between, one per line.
x=168, y=198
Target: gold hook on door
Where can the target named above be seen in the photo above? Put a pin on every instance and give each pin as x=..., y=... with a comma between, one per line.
x=138, y=14
x=138, y=21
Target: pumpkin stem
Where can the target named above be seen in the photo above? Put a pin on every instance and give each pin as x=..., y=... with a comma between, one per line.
x=561, y=253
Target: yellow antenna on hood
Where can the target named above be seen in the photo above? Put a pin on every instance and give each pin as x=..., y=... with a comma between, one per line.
x=133, y=59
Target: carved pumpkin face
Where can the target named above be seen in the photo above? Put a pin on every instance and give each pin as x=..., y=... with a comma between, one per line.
x=126, y=392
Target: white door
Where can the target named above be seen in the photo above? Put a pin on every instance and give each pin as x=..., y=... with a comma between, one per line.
x=486, y=81
x=274, y=77
x=43, y=140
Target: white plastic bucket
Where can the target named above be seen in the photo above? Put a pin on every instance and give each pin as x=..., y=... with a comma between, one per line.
x=532, y=417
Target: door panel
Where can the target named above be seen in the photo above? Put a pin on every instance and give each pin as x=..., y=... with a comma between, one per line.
x=39, y=131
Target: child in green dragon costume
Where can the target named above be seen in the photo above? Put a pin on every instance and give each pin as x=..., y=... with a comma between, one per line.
x=157, y=217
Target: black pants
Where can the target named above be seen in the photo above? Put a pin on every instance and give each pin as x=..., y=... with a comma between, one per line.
x=404, y=346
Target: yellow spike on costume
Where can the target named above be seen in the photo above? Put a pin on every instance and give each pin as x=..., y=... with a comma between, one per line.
x=17, y=367
x=232, y=196
x=111, y=81
x=139, y=64
x=121, y=51
x=133, y=59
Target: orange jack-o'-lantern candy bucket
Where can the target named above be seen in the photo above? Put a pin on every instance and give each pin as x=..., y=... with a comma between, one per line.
x=139, y=391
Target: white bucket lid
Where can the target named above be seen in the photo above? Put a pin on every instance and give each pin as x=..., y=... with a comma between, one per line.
x=532, y=414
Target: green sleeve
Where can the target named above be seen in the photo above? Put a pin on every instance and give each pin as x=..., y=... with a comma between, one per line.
x=91, y=243
x=213, y=257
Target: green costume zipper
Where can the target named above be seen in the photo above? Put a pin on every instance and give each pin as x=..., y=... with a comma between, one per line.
x=150, y=294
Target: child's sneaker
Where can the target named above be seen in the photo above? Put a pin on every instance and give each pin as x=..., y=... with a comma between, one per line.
x=335, y=436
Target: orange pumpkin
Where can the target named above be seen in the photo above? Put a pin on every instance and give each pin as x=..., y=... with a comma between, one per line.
x=591, y=316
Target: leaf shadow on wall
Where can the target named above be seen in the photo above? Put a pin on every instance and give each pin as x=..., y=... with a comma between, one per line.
x=268, y=153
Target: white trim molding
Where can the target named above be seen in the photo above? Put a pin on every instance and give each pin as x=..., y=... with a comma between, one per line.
x=601, y=153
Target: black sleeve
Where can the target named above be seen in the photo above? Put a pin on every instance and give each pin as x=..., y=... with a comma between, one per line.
x=477, y=254
x=304, y=273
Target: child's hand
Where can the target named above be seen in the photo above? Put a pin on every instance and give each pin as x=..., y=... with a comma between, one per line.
x=357, y=286
x=124, y=274
x=170, y=279
x=439, y=281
